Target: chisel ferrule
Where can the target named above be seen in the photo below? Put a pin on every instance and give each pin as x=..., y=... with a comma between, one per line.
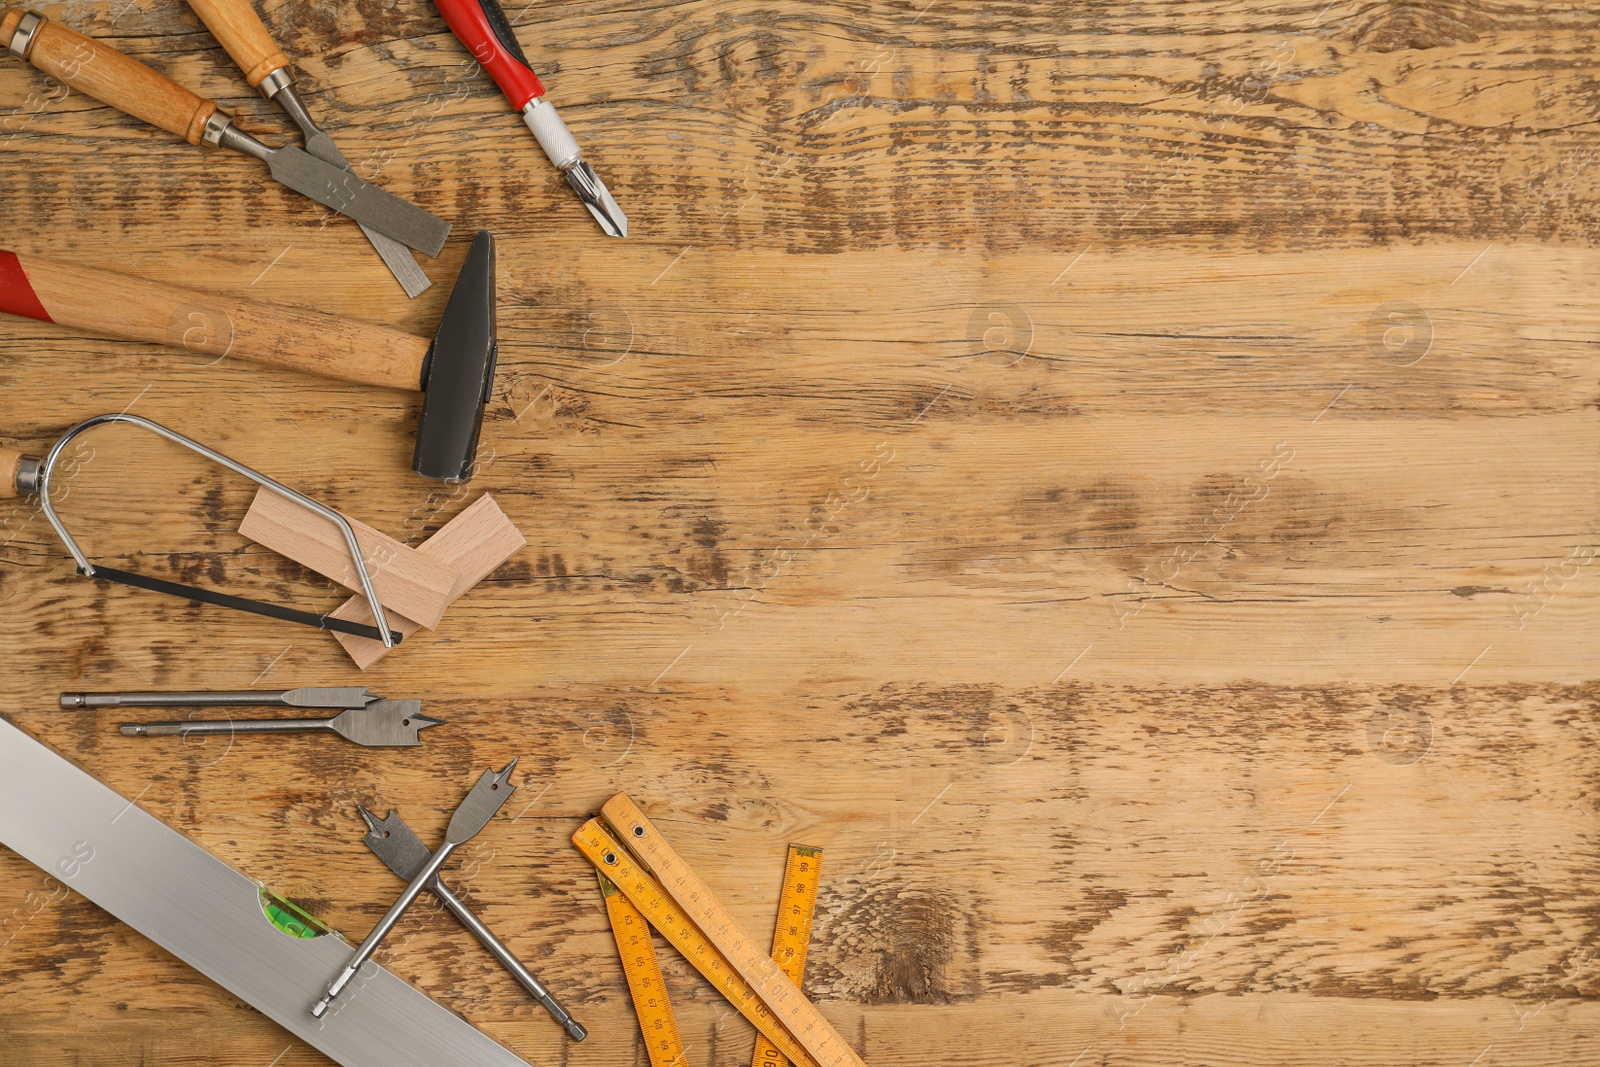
x=273, y=83
x=22, y=39
x=216, y=127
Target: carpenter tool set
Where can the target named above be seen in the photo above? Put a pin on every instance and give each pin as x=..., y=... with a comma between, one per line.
x=263, y=948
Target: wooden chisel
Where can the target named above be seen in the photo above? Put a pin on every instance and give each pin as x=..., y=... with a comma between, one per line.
x=237, y=27
x=98, y=70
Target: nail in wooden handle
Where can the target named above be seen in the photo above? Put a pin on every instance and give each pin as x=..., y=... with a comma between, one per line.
x=120, y=305
x=96, y=69
x=240, y=30
x=10, y=463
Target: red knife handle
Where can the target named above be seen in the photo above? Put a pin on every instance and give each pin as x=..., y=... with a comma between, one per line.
x=483, y=28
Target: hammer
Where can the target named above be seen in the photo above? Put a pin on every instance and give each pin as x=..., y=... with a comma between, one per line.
x=454, y=372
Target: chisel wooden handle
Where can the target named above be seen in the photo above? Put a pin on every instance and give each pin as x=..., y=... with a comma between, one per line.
x=240, y=30
x=109, y=304
x=96, y=69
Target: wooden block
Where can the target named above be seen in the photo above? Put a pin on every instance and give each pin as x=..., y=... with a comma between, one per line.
x=475, y=542
x=407, y=582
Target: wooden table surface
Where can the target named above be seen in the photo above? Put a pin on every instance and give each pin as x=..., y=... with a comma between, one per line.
x=1120, y=477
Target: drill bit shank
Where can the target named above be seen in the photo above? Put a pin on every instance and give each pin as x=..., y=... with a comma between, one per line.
x=345, y=696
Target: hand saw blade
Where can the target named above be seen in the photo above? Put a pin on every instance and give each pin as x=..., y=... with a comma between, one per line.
x=215, y=919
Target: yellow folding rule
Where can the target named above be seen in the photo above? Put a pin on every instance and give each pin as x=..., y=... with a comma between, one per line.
x=671, y=897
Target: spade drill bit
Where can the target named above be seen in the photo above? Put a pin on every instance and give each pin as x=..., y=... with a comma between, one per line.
x=471, y=815
x=381, y=724
x=404, y=853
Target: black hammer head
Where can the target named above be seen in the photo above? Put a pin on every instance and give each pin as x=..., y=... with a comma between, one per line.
x=459, y=372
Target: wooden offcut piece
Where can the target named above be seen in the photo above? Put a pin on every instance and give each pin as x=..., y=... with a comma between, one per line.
x=408, y=582
x=475, y=542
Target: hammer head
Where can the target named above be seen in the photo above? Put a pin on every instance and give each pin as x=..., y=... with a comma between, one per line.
x=459, y=372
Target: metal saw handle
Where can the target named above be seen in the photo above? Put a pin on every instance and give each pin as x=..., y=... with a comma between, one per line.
x=96, y=69
x=120, y=305
x=237, y=27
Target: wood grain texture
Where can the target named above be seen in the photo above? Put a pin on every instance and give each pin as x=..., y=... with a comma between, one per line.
x=416, y=585
x=1120, y=477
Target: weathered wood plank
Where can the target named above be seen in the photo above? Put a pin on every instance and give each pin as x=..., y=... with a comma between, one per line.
x=1118, y=476
x=1140, y=848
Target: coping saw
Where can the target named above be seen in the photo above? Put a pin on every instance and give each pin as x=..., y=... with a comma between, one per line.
x=235, y=24
x=257, y=946
x=26, y=476
x=96, y=69
x=454, y=372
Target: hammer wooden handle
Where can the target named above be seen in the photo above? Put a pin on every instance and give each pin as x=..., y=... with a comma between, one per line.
x=240, y=30
x=98, y=70
x=109, y=304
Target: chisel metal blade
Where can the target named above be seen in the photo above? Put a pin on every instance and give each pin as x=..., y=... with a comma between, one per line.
x=394, y=254
x=347, y=194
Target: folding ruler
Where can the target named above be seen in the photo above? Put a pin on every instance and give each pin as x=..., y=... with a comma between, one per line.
x=695, y=922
